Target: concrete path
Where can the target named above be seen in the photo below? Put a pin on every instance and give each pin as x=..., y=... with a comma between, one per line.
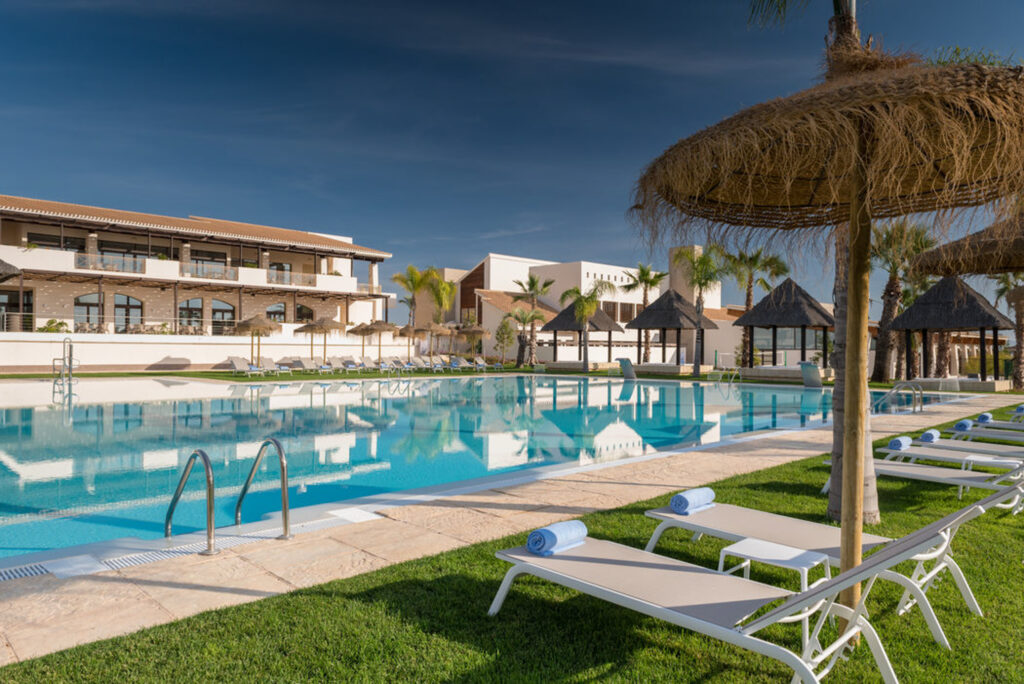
x=39, y=615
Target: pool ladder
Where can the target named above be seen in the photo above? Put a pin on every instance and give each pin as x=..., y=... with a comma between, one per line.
x=200, y=455
x=916, y=396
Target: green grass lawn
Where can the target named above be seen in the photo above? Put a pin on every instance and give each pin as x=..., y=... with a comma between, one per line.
x=425, y=620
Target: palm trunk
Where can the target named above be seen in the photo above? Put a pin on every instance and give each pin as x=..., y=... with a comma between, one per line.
x=942, y=356
x=886, y=337
x=533, y=335
x=901, y=354
x=698, y=337
x=1018, y=353
x=523, y=341
x=647, y=333
x=586, y=348
x=745, y=359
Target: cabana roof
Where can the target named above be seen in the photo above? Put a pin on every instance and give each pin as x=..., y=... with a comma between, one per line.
x=787, y=306
x=996, y=249
x=671, y=311
x=951, y=304
x=566, y=320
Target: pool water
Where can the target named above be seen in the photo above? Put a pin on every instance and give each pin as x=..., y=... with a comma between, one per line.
x=73, y=473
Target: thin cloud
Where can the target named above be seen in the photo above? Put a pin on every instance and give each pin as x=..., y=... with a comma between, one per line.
x=510, y=232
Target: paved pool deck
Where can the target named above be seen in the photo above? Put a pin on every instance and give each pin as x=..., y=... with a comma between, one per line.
x=42, y=614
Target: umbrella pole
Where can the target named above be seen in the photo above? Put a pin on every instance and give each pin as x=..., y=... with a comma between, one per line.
x=856, y=390
x=325, y=347
x=258, y=349
x=379, y=335
x=252, y=348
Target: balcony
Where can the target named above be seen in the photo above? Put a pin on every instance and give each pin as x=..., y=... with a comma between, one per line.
x=368, y=288
x=290, y=278
x=122, y=263
x=194, y=269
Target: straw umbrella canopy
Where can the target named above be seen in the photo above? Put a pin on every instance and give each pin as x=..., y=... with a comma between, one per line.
x=435, y=330
x=380, y=327
x=566, y=321
x=321, y=325
x=996, y=249
x=361, y=330
x=410, y=332
x=8, y=271
x=881, y=137
x=670, y=311
x=474, y=333
x=256, y=327
x=951, y=305
x=788, y=306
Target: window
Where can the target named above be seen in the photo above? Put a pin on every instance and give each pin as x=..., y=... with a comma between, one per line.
x=303, y=313
x=223, y=315
x=127, y=313
x=88, y=309
x=11, y=313
x=275, y=312
x=610, y=308
x=626, y=312
x=71, y=244
x=190, y=312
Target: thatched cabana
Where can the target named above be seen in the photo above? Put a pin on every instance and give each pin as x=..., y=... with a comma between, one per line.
x=670, y=311
x=566, y=321
x=788, y=306
x=951, y=305
x=996, y=249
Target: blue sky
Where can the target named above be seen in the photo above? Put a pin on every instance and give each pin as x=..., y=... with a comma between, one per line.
x=434, y=130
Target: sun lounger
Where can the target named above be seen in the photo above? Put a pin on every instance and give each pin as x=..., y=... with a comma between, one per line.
x=418, y=363
x=719, y=605
x=954, y=477
x=311, y=366
x=460, y=364
x=275, y=368
x=437, y=365
x=240, y=366
x=969, y=446
x=735, y=523
x=965, y=460
x=989, y=433
x=482, y=364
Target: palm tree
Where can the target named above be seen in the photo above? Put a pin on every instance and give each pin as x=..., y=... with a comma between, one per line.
x=645, y=278
x=892, y=247
x=533, y=289
x=584, y=306
x=524, y=319
x=442, y=293
x=1005, y=282
x=414, y=281
x=410, y=302
x=704, y=270
x=749, y=269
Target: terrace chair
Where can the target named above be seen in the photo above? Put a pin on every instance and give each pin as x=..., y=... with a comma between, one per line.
x=240, y=366
x=719, y=605
x=954, y=477
x=735, y=523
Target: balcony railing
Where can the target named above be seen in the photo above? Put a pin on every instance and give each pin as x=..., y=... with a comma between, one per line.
x=211, y=271
x=290, y=278
x=368, y=288
x=124, y=263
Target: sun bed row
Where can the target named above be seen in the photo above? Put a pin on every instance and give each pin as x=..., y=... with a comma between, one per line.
x=348, y=364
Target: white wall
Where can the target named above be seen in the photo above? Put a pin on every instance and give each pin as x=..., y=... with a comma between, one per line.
x=501, y=270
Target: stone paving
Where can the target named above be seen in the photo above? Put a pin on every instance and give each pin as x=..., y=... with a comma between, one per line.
x=39, y=615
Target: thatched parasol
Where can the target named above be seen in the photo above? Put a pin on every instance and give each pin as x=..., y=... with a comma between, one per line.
x=8, y=271
x=256, y=327
x=788, y=306
x=321, y=325
x=952, y=305
x=880, y=138
x=435, y=330
x=997, y=249
x=361, y=330
x=670, y=311
x=380, y=327
x=474, y=333
x=410, y=332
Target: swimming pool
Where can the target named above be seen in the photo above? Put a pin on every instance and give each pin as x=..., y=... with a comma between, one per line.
x=88, y=468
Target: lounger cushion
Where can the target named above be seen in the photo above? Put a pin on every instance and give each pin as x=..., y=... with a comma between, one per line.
x=687, y=589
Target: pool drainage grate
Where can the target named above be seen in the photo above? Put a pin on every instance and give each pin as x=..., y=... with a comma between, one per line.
x=34, y=570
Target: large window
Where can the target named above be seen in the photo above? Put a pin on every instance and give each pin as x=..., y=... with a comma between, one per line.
x=223, y=315
x=610, y=308
x=88, y=309
x=15, y=316
x=275, y=312
x=127, y=314
x=303, y=314
x=627, y=312
x=190, y=313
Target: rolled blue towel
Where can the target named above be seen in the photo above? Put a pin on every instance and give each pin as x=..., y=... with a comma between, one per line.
x=900, y=443
x=1019, y=409
x=930, y=436
x=556, y=537
x=985, y=418
x=964, y=425
x=692, y=500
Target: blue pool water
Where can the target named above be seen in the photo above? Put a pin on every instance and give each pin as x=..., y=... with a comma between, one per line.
x=76, y=472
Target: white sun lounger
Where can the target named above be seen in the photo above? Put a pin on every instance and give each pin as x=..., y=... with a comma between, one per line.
x=241, y=366
x=965, y=460
x=990, y=433
x=961, y=479
x=965, y=444
x=719, y=605
x=735, y=523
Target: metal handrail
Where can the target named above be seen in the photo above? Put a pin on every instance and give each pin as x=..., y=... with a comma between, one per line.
x=916, y=394
x=283, y=466
x=211, y=548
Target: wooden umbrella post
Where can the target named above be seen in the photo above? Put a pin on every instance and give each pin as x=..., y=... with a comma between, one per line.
x=609, y=346
x=824, y=347
x=908, y=352
x=775, y=345
x=554, y=345
x=984, y=355
x=995, y=353
x=856, y=390
x=663, y=357
x=803, y=342
x=750, y=348
x=926, y=354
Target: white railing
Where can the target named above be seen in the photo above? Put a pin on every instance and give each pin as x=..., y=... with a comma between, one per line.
x=124, y=263
x=368, y=288
x=212, y=271
x=291, y=278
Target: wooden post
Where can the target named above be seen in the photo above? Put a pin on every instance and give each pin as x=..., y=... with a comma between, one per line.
x=926, y=354
x=554, y=345
x=803, y=342
x=750, y=347
x=609, y=346
x=176, y=314
x=295, y=306
x=639, y=345
x=824, y=346
x=679, y=347
x=99, y=292
x=775, y=345
x=908, y=353
x=856, y=389
x=238, y=316
x=995, y=353
x=663, y=345
x=984, y=355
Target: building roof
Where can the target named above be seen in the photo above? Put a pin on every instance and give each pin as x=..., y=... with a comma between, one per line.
x=787, y=306
x=8, y=271
x=566, y=320
x=504, y=302
x=951, y=304
x=671, y=311
x=192, y=226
